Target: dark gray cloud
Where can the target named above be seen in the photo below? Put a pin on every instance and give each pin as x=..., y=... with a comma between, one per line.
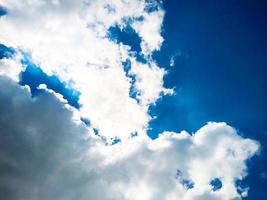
x=38, y=146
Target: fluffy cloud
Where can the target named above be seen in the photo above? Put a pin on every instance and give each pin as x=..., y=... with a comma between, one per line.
x=10, y=64
x=11, y=67
x=149, y=30
x=149, y=82
x=70, y=40
x=46, y=154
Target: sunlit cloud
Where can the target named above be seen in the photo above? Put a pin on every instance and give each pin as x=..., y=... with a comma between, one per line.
x=75, y=110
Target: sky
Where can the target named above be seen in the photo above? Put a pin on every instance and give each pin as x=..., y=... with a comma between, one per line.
x=219, y=71
x=133, y=100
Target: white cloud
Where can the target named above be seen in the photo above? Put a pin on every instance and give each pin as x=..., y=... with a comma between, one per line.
x=69, y=39
x=149, y=29
x=149, y=82
x=11, y=67
x=45, y=150
x=44, y=154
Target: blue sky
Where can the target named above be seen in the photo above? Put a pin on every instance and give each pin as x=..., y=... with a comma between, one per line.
x=220, y=72
x=215, y=56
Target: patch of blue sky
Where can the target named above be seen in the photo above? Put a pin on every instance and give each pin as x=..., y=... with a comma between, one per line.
x=6, y=52
x=86, y=121
x=3, y=11
x=33, y=76
x=219, y=75
x=129, y=37
x=96, y=131
x=153, y=5
x=126, y=36
x=216, y=184
x=133, y=92
x=115, y=140
x=187, y=183
x=241, y=186
x=127, y=66
x=257, y=185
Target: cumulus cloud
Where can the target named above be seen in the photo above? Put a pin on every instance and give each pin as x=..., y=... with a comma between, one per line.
x=70, y=40
x=46, y=152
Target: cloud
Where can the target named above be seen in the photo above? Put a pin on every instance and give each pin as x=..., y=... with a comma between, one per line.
x=11, y=67
x=149, y=30
x=37, y=142
x=46, y=154
x=10, y=63
x=148, y=77
x=70, y=39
